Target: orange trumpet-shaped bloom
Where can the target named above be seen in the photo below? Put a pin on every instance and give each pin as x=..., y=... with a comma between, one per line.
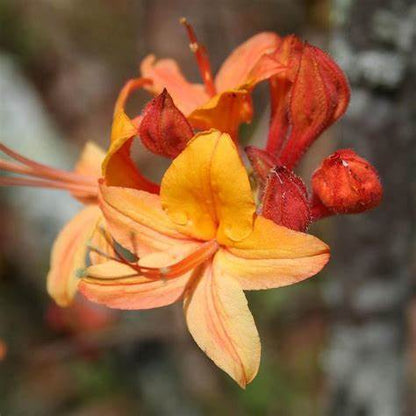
x=223, y=102
x=202, y=242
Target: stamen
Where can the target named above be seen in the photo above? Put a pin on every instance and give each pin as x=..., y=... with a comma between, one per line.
x=71, y=187
x=38, y=169
x=199, y=256
x=101, y=252
x=202, y=58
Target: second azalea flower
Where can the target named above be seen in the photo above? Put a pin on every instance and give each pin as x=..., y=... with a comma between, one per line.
x=201, y=241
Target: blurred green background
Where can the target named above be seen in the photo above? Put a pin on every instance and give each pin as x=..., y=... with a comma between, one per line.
x=341, y=344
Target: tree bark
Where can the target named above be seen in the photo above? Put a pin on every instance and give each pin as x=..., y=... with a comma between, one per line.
x=370, y=284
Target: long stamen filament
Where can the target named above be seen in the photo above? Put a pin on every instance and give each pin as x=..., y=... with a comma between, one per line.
x=72, y=187
x=33, y=168
x=202, y=58
x=199, y=256
x=203, y=253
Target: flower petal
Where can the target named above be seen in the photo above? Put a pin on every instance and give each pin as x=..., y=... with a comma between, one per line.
x=118, y=286
x=69, y=255
x=165, y=73
x=89, y=165
x=236, y=69
x=224, y=112
x=118, y=169
x=101, y=240
x=273, y=256
x=137, y=221
x=206, y=189
x=90, y=161
x=221, y=323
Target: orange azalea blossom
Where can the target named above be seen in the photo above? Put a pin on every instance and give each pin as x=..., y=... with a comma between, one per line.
x=85, y=230
x=201, y=241
x=223, y=102
x=70, y=248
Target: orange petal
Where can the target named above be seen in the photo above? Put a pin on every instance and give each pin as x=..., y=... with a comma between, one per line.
x=137, y=221
x=90, y=161
x=243, y=66
x=118, y=168
x=273, y=256
x=165, y=73
x=221, y=323
x=101, y=239
x=89, y=164
x=224, y=112
x=118, y=286
x=206, y=189
x=69, y=255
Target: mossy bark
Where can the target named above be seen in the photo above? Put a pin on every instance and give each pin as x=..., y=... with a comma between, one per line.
x=371, y=281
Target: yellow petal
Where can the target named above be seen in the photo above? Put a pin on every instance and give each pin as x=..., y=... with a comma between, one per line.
x=118, y=169
x=221, y=323
x=165, y=73
x=118, y=286
x=137, y=221
x=235, y=71
x=206, y=189
x=69, y=255
x=90, y=161
x=273, y=256
x=225, y=112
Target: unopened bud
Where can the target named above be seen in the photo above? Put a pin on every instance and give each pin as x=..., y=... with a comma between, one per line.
x=164, y=130
x=346, y=183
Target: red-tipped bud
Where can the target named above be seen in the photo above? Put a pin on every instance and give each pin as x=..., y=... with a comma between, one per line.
x=304, y=104
x=285, y=200
x=164, y=130
x=262, y=162
x=345, y=183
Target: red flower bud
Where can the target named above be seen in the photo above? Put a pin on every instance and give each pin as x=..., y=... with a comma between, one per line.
x=285, y=200
x=345, y=183
x=310, y=96
x=262, y=162
x=164, y=130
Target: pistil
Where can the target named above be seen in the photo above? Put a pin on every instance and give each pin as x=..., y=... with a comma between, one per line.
x=202, y=58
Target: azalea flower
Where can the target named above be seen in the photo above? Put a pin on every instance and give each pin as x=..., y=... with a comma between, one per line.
x=72, y=246
x=201, y=241
x=223, y=102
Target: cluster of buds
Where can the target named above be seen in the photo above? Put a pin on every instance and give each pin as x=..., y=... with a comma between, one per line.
x=308, y=95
